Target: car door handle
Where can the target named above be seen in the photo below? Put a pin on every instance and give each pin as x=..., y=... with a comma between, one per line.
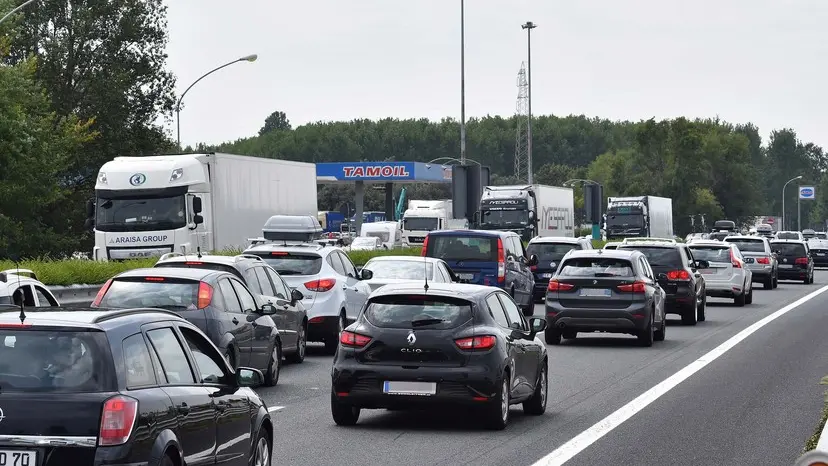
x=235, y=321
x=183, y=409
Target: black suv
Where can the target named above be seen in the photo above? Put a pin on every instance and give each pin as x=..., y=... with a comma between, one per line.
x=795, y=260
x=86, y=387
x=550, y=251
x=677, y=273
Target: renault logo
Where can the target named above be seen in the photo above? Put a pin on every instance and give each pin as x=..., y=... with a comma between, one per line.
x=411, y=338
x=137, y=179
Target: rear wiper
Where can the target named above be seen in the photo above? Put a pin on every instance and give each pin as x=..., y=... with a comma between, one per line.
x=172, y=307
x=604, y=274
x=430, y=321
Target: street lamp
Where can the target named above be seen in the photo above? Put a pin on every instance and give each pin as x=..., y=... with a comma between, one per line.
x=785, y=225
x=248, y=58
x=571, y=182
x=19, y=7
x=529, y=26
x=452, y=159
x=462, y=82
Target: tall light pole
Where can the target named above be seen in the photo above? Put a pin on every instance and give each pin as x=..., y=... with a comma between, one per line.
x=249, y=58
x=785, y=225
x=19, y=7
x=462, y=82
x=529, y=26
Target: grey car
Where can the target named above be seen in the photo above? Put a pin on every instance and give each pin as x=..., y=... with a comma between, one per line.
x=759, y=258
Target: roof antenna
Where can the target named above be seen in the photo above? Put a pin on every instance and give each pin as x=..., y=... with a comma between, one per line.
x=22, y=294
x=198, y=252
x=425, y=267
x=184, y=251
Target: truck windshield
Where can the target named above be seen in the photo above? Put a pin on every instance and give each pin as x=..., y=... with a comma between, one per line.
x=141, y=214
x=504, y=217
x=420, y=223
x=625, y=220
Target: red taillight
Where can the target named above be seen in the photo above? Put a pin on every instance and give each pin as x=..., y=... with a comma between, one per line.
x=154, y=279
x=193, y=263
x=636, y=287
x=15, y=325
x=801, y=261
x=763, y=260
x=205, y=295
x=324, y=284
x=117, y=420
x=555, y=285
x=316, y=320
x=278, y=253
x=476, y=343
x=678, y=275
x=101, y=293
x=425, y=246
x=533, y=268
x=734, y=261
x=501, y=262
x=353, y=340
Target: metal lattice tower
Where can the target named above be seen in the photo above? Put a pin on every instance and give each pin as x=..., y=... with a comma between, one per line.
x=522, y=117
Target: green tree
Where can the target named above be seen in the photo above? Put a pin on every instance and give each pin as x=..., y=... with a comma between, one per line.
x=276, y=121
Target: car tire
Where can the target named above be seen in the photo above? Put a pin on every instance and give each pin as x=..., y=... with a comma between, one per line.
x=167, y=461
x=700, y=308
x=769, y=283
x=749, y=298
x=495, y=416
x=230, y=357
x=688, y=316
x=646, y=336
x=298, y=356
x=332, y=343
x=661, y=333
x=261, y=450
x=552, y=336
x=776, y=281
x=536, y=405
x=529, y=309
x=343, y=414
x=274, y=366
x=569, y=334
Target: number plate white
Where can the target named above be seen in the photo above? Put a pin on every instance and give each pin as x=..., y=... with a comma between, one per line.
x=546, y=275
x=465, y=276
x=820, y=254
x=17, y=458
x=410, y=388
x=595, y=292
x=785, y=266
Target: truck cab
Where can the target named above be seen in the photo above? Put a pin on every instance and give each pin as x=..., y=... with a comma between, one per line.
x=509, y=208
x=423, y=217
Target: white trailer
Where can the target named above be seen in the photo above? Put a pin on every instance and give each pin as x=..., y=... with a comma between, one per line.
x=639, y=216
x=423, y=217
x=528, y=210
x=148, y=206
x=555, y=211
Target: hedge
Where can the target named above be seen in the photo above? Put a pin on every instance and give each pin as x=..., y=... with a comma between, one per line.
x=80, y=271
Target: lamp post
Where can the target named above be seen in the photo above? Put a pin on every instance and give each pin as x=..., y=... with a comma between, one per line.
x=784, y=224
x=248, y=58
x=462, y=82
x=529, y=26
x=19, y=7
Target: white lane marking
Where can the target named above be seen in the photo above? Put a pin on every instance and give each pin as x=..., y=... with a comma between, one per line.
x=586, y=438
x=273, y=409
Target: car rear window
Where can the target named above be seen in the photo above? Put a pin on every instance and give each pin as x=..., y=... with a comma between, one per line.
x=51, y=361
x=711, y=253
x=288, y=263
x=550, y=251
x=416, y=311
x=400, y=270
x=200, y=265
x=160, y=292
x=719, y=236
x=748, y=245
x=787, y=235
x=788, y=249
x=659, y=256
x=596, y=267
x=457, y=247
x=822, y=236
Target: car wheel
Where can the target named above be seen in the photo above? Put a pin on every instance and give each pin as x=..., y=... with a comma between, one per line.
x=274, y=366
x=569, y=334
x=646, y=336
x=537, y=404
x=749, y=298
x=776, y=281
x=553, y=336
x=343, y=414
x=497, y=412
x=700, y=308
x=261, y=455
x=333, y=342
x=230, y=358
x=740, y=300
x=529, y=309
x=167, y=461
x=661, y=333
x=301, y=346
x=688, y=315
x=769, y=283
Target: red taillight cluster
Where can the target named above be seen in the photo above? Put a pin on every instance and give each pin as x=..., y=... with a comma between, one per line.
x=734, y=261
x=353, y=340
x=635, y=287
x=801, y=261
x=101, y=293
x=763, y=260
x=555, y=285
x=205, y=295
x=476, y=343
x=533, y=268
x=425, y=246
x=501, y=262
x=117, y=420
x=321, y=285
x=678, y=275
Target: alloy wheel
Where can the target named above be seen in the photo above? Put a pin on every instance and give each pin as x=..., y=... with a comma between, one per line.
x=504, y=400
x=262, y=453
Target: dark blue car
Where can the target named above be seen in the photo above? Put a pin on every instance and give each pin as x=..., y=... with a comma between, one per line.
x=491, y=258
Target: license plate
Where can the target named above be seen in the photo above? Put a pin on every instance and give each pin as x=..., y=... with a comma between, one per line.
x=409, y=388
x=708, y=271
x=748, y=260
x=820, y=254
x=465, y=276
x=595, y=292
x=549, y=275
x=785, y=266
x=17, y=458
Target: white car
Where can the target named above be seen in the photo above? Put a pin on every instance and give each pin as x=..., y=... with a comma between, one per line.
x=406, y=269
x=727, y=275
x=21, y=287
x=366, y=243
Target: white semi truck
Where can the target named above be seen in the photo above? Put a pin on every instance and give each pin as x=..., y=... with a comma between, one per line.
x=423, y=217
x=148, y=206
x=528, y=210
x=639, y=216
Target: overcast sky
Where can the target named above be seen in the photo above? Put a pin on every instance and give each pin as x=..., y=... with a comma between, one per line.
x=744, y=60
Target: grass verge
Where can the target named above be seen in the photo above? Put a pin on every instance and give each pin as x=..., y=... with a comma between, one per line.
x=811, y=443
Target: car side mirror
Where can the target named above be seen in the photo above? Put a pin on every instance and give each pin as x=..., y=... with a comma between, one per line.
x=249, y=377
x=197, y=205
x=533, y=260
x=702, y=265
x=661, y=277
x=366, y=274
x=198, y=219
x=296, y=295
x=537, y=325
x=267, y=309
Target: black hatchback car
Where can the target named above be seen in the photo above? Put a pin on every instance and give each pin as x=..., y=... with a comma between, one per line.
x=605, y=291
x=795, y=260
x=84, y=387
x=678, y=275
x=216, y=302
x=447, y=345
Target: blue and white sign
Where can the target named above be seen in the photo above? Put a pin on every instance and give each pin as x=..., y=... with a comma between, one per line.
x=378, y=172
x=807, y=192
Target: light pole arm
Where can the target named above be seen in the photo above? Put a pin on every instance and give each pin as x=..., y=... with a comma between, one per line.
x=20, y=7
x=178, y=104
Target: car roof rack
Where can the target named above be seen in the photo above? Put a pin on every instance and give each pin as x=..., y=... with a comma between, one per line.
x=4, y=275
x=648, y=240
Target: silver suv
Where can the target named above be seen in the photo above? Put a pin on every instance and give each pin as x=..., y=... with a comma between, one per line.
x=728, y=275
x=759, y=258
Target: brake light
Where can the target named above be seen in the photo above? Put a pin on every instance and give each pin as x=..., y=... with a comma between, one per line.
x=501, y=262
x=353, y=340
x=555, y=285
x=635, y=287
x=15, y=325
x=678, y=275
x=193, y=263
x=154, y=279
x=737, y=264
x=278, y=253
x=533, y=268
x=425, y=246
x=476, y=343
x=205, y=295
x=763, y=260
x=801, y=261
x=101, y=293
x=117, y=420
x=321, y=285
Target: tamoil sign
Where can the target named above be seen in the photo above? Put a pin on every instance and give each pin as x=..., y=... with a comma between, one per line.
x=376, y=171
x=807, y=192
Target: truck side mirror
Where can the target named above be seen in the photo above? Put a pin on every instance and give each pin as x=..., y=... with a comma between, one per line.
x=89, y=223
x=198, y=219
x=90, y=208
x=197, y=207
x=531, y=215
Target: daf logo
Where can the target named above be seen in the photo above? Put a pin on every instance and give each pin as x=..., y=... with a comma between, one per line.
x=411, y=350
x=411, y=338
x=137, y=179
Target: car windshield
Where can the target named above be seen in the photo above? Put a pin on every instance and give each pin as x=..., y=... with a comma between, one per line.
x=159, y=292
x=788, y=249
x=140, y=214
x=822, y=235
x=400, y=269
x=292, y=264
x=457, y=248
x=748, y=245
x=413, y=311
x=550, y=251
x=420, y=223
x=504, y=217
x=54, y=361
x=596, y=267
x=625, y=220
x=711, y=253
x=659, y=256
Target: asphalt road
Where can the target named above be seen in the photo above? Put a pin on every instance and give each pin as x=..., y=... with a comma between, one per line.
x=756, y=404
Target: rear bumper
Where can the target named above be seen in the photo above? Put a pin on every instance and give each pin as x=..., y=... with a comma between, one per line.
x=675, y=303
x=322, y=328
x=792, y=274
x=723, y=289
x=821, y=261
x=630, y=319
